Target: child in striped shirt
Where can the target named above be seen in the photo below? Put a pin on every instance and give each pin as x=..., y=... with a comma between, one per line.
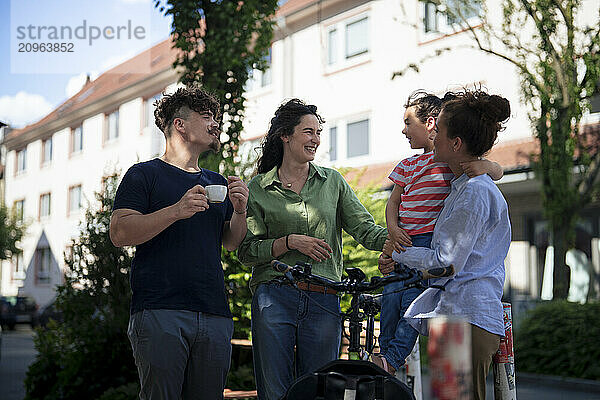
x=420, y=187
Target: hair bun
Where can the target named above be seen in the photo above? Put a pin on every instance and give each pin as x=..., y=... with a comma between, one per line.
x=476, y=117
x=498, y=108
x=492, y=108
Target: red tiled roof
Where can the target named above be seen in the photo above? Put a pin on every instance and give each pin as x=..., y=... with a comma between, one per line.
x=160, y=56
x=514, y=154
x=375, y=174
x=518, y=153
x=509, y=155
x=293, y=5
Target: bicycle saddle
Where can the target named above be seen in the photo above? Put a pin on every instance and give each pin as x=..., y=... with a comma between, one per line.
x=361, y=380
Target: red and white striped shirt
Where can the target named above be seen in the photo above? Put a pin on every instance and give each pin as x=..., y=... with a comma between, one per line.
x=426, y=184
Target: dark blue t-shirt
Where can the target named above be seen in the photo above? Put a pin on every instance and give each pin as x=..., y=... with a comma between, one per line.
x=180, y=268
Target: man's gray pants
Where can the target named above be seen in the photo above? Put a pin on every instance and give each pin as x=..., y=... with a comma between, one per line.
x=180, y=354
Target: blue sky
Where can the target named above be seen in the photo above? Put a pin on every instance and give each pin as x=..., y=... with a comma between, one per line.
x=27, y=97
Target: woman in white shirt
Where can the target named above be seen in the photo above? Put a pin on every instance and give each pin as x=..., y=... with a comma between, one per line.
x=472, y=232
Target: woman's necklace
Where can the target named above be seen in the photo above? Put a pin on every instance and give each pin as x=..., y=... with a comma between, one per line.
x=289, y=182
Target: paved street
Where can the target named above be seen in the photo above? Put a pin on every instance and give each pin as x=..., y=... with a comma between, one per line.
x=17, y=353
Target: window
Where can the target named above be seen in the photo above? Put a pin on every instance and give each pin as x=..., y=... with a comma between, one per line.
x=595, y=104
x=74, y=199
x=18, y=267
x=43, y=259
x=449, y=19
x=249, y=86
x=265, y=79
x=258, y=79
x=461, y=10
x=358, y=138
x=19, y=209
x=46, y=151
x=347, y=43
x=333, y=144
x=21, y=160
x=430, y=17
x=77, y=139
x=112, y=126
x=357, y=38
x=45, y=200
x=332, y=46
x=149, y=114
x=157, y=138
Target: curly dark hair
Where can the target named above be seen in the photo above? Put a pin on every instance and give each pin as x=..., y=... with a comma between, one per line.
x=476, y=117
x=179, y=105
x=426, y=104
x=447, y=97
x=286, y=118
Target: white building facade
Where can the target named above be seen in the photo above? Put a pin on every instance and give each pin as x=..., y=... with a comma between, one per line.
x=54, y=167
x=341, y=55
x=337, y=54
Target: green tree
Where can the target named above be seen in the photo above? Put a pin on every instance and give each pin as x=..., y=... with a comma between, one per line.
x=355, y=255
x=220, y=42
x=11, y=232
x=88, y=353
x=558, y=59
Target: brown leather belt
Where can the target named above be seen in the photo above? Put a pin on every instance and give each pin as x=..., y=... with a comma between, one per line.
x=311, y=287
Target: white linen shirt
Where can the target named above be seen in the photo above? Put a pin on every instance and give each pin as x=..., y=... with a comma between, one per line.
x=473, y=234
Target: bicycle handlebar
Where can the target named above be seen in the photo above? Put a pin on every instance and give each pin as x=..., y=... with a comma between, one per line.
x=280, y=267
x=355, y=283
x=441, y=272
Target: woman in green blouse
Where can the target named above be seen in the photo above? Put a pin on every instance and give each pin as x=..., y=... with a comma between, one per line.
x=296, y=212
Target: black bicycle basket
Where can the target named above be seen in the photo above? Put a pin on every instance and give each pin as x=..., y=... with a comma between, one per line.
x=361, y=379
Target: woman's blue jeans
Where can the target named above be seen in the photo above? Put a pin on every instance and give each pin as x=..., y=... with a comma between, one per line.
x=397, y=338
x=284, y=318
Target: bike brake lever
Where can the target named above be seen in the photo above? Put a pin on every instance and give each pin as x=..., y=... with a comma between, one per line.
x=306, y=267
x=374, y=280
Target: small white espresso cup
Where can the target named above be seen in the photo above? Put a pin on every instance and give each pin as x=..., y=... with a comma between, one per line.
x=216, y=193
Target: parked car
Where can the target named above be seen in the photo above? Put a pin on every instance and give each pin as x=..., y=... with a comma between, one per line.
x=49, y=312
x=7, y=315
x=18, y=310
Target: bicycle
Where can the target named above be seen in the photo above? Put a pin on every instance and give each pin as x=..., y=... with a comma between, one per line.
x=362, y=306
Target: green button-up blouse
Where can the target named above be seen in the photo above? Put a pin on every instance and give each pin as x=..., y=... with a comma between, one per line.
x=326, y=205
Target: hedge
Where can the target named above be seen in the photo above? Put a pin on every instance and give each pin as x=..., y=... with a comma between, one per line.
x=560, y=338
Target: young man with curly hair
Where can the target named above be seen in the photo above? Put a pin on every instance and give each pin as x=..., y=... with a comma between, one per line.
x=180, y=326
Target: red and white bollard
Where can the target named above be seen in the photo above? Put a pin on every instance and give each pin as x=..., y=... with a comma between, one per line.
x=449, y=350
x=410, y=372
x=505, y=385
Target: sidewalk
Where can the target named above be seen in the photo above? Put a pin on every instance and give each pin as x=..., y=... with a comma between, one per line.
x=539, y=387
x=586, y=385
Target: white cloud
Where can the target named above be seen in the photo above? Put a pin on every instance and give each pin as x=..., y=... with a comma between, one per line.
x=135, y=1
x=23, y=108
x=76, y=82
